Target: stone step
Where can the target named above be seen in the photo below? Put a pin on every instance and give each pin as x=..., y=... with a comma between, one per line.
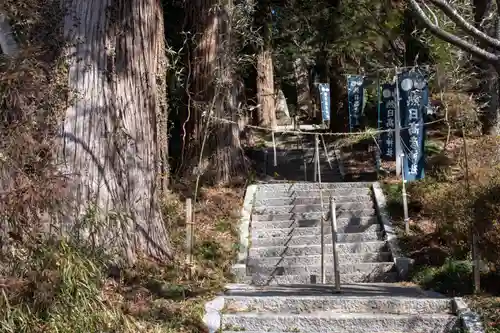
x=341, y=214
x=315, y=239
x=257, y=233
x=266, y=280
x=281, y=332
x=303, y=186
x=316, y=259
x=309, y=200
x=305, y=250
x=328, y=322
x=297, y=223
x=341, y=206
x=312, y=192
x=366, y=268
x=338, y=304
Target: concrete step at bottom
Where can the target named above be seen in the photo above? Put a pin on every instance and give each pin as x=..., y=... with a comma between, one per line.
x=316, y=259
x=304, y=250
x=339, y=322
x=309, y=208
x=300, y=186
x=267, y=280
x=298, y=222
x=258, y=233
x=312, y=192
x=287, y=332
x=368, y=226
x=316, y=239
x=309, y=200
x=373, y=268
x=337, y=303
x=341, y=214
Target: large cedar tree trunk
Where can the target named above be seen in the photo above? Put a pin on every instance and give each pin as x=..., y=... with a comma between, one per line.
x=8, y=44
x=111, y=136
x=265, y=72
x=304, y=100
x=213, y=92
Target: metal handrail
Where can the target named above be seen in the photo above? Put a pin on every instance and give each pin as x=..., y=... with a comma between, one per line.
x=317, y=173
x=333, y=220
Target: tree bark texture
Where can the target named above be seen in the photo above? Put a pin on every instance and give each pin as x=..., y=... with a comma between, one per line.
x=213, y=92
x=112, y=135
x=304, y=100
x=8, y=44
x=265, y=72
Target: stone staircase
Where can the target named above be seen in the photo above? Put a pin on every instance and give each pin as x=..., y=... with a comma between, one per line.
x=285, y=235
x=295, y=160
x=279, y=286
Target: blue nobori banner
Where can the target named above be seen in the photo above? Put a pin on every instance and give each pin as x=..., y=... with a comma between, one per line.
x=414, y=100
x=355, y=95
x=387, y=109
x=324, y=94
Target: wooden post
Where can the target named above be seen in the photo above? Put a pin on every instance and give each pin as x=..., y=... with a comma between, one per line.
x=189, y=232
x=475, y=246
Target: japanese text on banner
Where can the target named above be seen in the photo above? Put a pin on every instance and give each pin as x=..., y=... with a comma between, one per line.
x=324, y=93
x=355, y=95
x=414, y=101
x=388, y=121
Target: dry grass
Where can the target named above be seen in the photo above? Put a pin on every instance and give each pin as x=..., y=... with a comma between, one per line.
x=443, y=209
x=68, y=287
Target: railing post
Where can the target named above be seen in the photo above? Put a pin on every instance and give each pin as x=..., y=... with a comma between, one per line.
x=322, y=218
x=316, y=158
x=405, y=197
x=333, y=219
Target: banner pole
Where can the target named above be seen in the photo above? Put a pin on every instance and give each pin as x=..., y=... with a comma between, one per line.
x=349, y=104
x=405, y=202
x=397, y=134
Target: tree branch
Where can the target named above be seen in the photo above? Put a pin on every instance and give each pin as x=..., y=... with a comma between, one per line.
x=8, y=44
x=462, y=23
x=450, y=38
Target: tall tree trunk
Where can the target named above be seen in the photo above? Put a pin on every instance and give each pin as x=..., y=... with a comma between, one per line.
x=213, y=91
x=8, y=44
x=111, y=134
x=265, y=71
x=304, y=100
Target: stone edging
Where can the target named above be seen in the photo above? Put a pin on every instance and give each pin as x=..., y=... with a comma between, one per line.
x=470, y=320
x=403, y=264
x=244, y=228
x=212, y=316
x=213, y=309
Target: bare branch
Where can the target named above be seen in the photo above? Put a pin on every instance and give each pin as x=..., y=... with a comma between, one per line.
x=434, y=16
x=449, y=11
x=450, y=38
x=8, y=44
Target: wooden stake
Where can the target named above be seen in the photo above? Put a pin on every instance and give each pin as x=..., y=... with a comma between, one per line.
x=189, y=232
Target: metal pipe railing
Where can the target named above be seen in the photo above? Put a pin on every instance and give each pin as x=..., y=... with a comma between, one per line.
x=333, y=220
x=318, y=174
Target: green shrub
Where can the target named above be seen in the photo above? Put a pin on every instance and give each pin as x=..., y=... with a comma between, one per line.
x=58, y=288
x=453, y=278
